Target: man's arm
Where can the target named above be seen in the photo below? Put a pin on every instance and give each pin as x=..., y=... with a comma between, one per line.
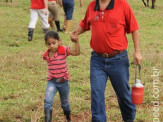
x=74, y=35
x=46, y=7
x=79, y=30
x=136, y=40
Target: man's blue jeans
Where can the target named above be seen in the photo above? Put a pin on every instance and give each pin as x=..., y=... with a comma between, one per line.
x=117, y=69
x=51, y=90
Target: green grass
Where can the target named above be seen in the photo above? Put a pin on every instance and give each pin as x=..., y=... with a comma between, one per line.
x=23, y=72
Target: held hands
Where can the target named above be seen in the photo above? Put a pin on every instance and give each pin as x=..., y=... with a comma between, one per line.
x=74, y=37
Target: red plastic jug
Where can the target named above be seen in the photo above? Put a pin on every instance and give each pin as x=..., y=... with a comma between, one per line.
x=137, y=90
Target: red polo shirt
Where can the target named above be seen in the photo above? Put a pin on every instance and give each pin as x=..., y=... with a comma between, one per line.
x=109, y=27
x=37, y=4
x=57, y=67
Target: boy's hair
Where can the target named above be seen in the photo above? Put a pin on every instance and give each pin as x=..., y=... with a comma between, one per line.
x=51, y=34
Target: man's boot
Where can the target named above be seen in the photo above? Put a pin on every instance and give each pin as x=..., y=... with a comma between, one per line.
x=45, y=30
x=50, y=21
x=30, y=34
x=48, y=115
x=68, y=23
x=57, y=23
x=68, y=115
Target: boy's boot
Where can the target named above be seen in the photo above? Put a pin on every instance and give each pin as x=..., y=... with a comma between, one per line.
x=50, y=21
x=57, y=23
x=48, y=115
x=45, y=30
x=30, y=34
x=64, y=23
x=68, y=115
x=68, y=23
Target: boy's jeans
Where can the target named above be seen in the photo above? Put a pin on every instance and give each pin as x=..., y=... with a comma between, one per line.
x=117, y=69
x=51, y=90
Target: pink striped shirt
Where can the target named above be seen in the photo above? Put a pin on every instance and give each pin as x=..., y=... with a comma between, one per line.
x=57, y=67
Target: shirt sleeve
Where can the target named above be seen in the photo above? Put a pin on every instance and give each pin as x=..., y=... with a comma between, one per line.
x=85, y=24
x=45, y=55
x=131, y=23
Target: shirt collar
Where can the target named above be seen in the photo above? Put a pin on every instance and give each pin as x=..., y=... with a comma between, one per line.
x=60, y=51
x=110, y=5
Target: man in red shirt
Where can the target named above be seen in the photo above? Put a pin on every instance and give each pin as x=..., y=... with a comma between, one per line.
x=38, y=8
x=109, y=21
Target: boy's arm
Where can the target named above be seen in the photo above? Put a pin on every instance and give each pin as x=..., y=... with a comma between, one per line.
x=46, y=7
x=77, y=49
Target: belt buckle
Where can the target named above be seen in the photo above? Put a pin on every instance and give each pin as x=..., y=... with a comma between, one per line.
x=106, y=55
x=57, y=80
x=117, y=52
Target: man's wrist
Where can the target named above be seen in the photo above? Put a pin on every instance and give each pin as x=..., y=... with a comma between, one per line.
x=137, y=50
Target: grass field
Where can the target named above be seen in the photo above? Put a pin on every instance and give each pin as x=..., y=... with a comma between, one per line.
x=23, y=72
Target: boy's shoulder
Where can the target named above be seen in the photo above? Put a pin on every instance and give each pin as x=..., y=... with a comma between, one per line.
x=62, y=49
x=45, y=54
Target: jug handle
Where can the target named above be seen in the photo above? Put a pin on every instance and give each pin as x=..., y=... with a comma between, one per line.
x=139, y=68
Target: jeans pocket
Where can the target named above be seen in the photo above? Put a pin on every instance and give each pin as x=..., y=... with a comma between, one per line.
x=93, y=54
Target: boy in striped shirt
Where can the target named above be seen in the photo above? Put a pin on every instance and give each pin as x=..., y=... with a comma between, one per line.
x=58, y=75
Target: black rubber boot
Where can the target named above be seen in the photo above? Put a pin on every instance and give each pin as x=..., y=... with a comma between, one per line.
x=57, y=23
x=45, y=30
x=68, y=115
x=48, y=115
x=30, y=33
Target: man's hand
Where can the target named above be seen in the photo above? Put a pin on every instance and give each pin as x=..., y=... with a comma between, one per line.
x=137, y=57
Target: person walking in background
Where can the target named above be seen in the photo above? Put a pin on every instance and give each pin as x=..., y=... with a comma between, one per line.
x=38, y=8
x=53, y=8
x=68, y=7
x=109, y=21
x=58, y=75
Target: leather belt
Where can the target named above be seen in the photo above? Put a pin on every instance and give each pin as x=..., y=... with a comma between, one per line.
x=58, y=80
x=110, y=55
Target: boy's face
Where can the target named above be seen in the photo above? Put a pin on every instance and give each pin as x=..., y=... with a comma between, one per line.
x=53, y=44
